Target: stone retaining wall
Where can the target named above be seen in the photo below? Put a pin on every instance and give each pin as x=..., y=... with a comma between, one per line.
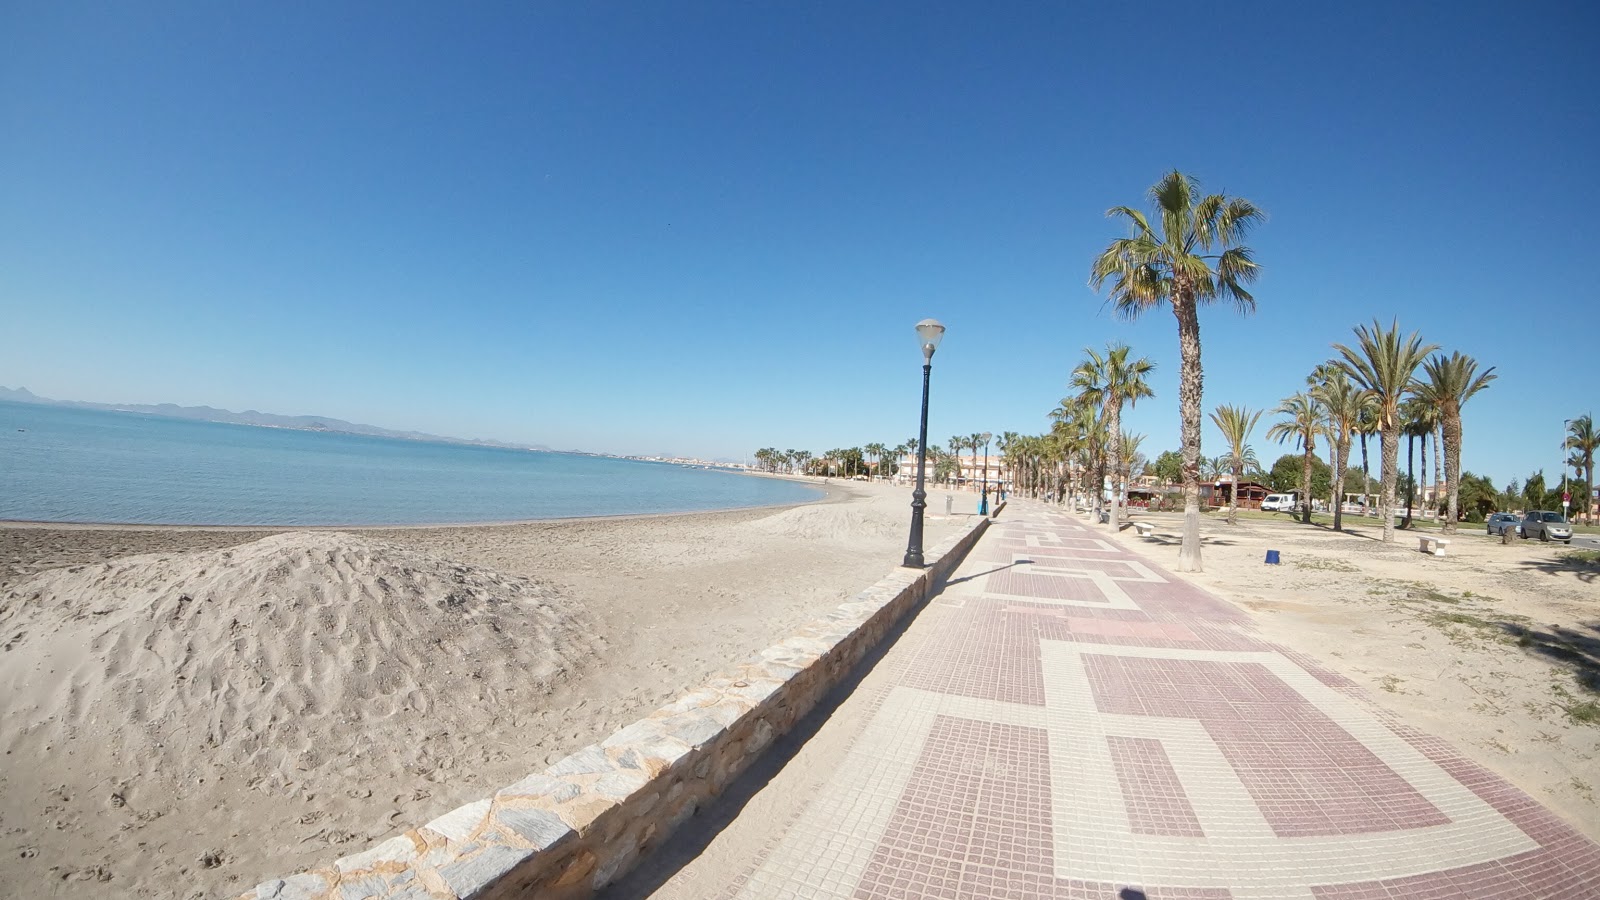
x=586, y=820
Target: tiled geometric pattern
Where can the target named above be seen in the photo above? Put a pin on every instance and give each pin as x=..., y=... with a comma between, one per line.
x=1151, y=790
x=1068, y=721
x=1307, y=775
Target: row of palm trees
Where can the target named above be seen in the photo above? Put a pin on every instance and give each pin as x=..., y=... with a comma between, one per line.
x=1373, y=387
x=871, y=458
x=1188, y=251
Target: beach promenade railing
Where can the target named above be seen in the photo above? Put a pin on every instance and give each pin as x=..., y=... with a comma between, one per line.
x=583, y=822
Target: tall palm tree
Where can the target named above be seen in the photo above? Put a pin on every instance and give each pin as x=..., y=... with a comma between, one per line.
x=1236, y=423
x=1582, y=439
x=1108, y=382
x=1304, y=423
x=1453, y=380
x=957, y=444
x=1415, y=422
x=975, y=441
x=1130, y=458
x=1366, y=427
x=1346, y=405
x=876, y=451
x=1192, y=255
x=1383, y=363
x=1078, y=436
x=1007, y=442
x=1423, y=414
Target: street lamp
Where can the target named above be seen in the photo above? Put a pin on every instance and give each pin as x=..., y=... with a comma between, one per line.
x=929, y=333
x=983, y=504
x=1566, y=425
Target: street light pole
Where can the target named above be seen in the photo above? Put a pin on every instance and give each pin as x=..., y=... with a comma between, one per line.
x=983, y=504
x=1566, y=424
x=929, y=332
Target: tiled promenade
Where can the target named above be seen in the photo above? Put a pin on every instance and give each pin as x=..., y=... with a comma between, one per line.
x=1067, y=721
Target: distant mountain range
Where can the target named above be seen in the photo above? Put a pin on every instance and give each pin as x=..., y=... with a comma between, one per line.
x=252, y=417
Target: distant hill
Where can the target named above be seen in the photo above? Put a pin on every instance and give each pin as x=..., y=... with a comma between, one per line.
x=252, y=417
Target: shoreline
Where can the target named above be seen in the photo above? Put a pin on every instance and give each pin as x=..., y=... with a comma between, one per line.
x=25, y=524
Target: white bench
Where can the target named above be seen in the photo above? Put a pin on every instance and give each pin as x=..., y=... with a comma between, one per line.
x=1145, y=529
x=1427, y=543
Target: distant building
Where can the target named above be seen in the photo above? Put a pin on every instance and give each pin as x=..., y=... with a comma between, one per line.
x=974, y=472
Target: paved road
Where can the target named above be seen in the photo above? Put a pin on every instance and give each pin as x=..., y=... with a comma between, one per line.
x=1066, y=720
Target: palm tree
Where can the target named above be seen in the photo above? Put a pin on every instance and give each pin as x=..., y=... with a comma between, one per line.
x=957, y=444
x=1078, y=438
x=1423, y=416
x=876, y=451
x=1366, y=426
x=1236, y=423
x=1582, y=439
x=1005, y=444
x=1303, y=424
x=1452, y=381
x=1108, y=382
x=1130, y=458
x=1195, y=257
x=1383, y=363
x=975, y=441
x=1345, y=406
x=1415, y=422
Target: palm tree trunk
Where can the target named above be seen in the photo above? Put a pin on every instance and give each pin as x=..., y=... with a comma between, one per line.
x=1341, y=450
x=1114, y=426
x=1366, y=475
x=1190, y=387
x=1442, y=457
x=1452, y=466
x=1588, y=491
x=1233, y=499
x=1305, y=482
x=1411, y=479
x=1389, y=463
x=1425, y=470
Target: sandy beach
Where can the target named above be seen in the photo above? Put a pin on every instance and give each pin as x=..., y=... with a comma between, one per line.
x=1489, y=647
x=189, y=711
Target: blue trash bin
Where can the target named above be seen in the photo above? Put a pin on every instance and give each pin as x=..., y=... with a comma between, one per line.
x=1272, y=557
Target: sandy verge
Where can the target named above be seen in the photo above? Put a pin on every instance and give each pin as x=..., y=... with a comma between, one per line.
x=189, y=711
x=1489, y=647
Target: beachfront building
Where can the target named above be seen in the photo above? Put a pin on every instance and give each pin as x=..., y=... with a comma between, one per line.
x=974, y=472
x=1220, y=493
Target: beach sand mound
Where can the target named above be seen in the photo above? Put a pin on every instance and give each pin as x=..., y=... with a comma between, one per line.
x=836, y=522
x=270, y=660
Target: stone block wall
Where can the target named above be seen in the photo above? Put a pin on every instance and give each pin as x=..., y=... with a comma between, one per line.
x=586, y=820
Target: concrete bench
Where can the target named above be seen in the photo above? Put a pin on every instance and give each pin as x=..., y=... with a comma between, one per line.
x=1145, y=529
x=1427, y=543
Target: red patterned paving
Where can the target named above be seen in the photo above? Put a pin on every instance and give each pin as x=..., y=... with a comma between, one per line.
x=975, y=825
x=975, y=819
x=1307, y=774
x=1154, y=796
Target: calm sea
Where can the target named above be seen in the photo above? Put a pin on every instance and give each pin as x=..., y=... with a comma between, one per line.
x=73, y=465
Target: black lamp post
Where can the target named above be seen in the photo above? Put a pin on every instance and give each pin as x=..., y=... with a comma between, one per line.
x=983, y=503
x=929, y=333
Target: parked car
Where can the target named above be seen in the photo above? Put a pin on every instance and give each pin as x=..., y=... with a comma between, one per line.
x=1278, y=503
x=1546, y=526
x=1499, y=522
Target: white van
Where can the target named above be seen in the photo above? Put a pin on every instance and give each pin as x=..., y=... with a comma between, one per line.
x=1278, y=503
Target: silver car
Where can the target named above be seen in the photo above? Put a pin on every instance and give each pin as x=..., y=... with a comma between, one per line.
x=1546, y=526
x=1500, y=523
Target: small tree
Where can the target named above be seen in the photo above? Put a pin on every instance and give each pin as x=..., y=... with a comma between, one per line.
x=1302, y=423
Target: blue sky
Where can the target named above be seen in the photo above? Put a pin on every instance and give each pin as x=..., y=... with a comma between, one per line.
x=708, y=228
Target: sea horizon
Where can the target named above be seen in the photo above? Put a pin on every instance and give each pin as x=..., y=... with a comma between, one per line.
x=74, y=466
